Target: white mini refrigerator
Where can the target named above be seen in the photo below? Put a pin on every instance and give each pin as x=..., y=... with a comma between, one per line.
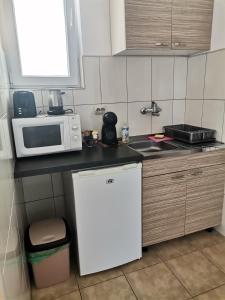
x=108, y=217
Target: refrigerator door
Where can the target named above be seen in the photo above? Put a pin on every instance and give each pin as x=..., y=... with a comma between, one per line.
x=108, y=217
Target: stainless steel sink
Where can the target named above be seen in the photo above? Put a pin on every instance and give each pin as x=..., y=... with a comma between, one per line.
x=148, y=148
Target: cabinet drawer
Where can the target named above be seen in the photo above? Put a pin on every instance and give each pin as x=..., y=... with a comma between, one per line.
x=154, y=167
x=206, y=159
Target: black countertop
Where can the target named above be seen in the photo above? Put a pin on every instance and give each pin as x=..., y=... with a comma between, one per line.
x=73, y=161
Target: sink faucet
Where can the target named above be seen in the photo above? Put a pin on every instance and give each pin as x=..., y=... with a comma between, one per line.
x=154, y=109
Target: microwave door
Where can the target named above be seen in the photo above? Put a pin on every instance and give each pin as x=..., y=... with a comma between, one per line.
x=43, y=139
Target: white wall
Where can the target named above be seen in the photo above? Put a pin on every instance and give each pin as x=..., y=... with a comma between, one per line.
x=218, y=28
x=13, y=268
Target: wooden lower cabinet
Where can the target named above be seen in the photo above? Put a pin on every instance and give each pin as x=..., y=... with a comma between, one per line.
x=163, y=212
x=205, y=194
x=181, y=203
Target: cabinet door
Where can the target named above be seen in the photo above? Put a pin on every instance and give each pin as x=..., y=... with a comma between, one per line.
x=163, y=212
x=205, y=194
x=192, y=24
x=148, y=23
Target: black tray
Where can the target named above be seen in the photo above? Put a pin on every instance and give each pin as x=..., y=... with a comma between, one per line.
x=190, y=134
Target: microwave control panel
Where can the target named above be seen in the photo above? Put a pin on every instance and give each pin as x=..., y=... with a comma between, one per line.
x=75, y=132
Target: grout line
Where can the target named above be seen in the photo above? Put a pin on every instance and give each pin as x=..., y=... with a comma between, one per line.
x=206, y=292
x=186, y=94
x=223, y=121
x=151, y=121
x=53, y=193
x=127, y=91
x=100, y=77
x=100, y=282
x=173, y=90
x=130, y=286
x=181, y=282
x=203, y=100
x=211, y=261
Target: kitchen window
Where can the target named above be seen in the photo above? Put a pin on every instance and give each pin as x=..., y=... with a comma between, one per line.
x=42, y=43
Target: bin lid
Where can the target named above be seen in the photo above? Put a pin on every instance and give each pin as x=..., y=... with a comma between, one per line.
x=47, y=231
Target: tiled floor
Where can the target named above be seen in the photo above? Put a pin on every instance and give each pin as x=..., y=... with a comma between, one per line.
x=192, y=267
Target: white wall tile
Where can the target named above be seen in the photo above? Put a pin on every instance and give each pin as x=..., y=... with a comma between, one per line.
x=95, y=26
x=60, y=207
x=91, y=94
x=213, y=114
x=180, y=77
x=40, y=210
x=196, y=77
x=120, y=109
x=162, y=78
x=57, y=184
x=138, y=124
x=37, y=187
x=89, y=120
x=139, y=78
x=193, y=114
x=113, y=79
x=215, y=76
x=165, y=117
x=178, y=111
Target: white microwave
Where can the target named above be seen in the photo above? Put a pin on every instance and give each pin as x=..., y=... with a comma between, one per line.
x=45, y=134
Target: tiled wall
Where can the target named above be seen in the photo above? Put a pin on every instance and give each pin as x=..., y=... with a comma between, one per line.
x=205, y=104
x=13, y=270
x=43, y=196
x=124, y=85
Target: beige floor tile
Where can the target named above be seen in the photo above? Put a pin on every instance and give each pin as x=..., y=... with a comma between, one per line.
x=217, y=255
x=73, y=296
x=55, y=291
x=196, y=273
x=88, y=280
x=205, y=239
x=217, y=294
x=157, y=283
x=174, y=248
x=115, y=289
x=149, y=258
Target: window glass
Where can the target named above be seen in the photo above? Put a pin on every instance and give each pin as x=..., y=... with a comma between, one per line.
x=42, y=37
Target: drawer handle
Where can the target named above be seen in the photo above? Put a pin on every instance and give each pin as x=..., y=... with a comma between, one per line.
x=176, y=177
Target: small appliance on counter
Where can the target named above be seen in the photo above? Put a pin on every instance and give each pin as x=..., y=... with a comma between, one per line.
x=109, y=135
x=44, y=134
x=24, y=104
x=56, y=103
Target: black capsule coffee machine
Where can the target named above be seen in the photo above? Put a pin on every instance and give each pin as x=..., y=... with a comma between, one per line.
x=109, y=135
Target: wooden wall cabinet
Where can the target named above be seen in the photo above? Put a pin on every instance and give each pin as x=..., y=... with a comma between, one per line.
x=175, y=202
x=160, y=26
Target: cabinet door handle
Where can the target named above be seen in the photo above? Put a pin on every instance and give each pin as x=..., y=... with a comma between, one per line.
x=178, y=44
x=162, y=44
x=177, y=177
x=197, y=172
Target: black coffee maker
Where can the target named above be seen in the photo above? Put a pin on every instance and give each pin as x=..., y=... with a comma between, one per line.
x=109, y=135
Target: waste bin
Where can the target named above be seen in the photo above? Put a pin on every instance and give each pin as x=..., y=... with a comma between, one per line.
x=47, y=245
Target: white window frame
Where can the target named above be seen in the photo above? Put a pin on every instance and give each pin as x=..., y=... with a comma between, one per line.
x=17, y=80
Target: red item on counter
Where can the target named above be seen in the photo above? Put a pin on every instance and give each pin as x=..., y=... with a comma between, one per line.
x=157, y=140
